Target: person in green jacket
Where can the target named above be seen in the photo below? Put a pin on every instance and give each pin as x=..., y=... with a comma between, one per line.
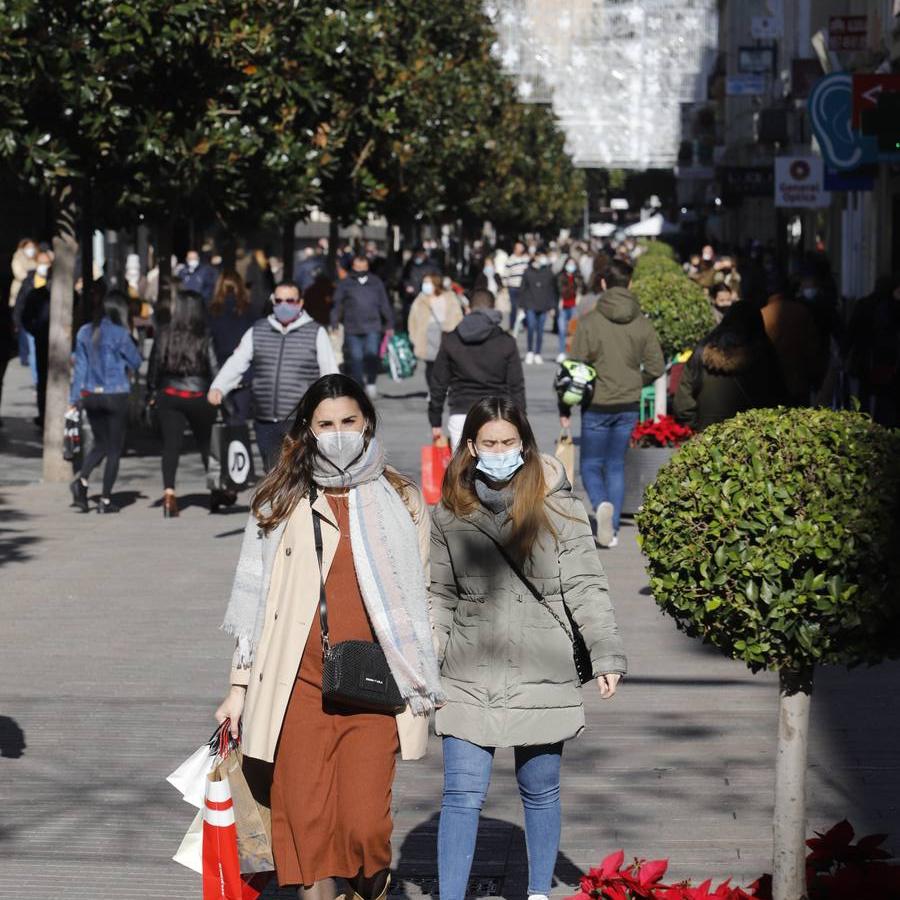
x=621, y=344
x=506, y=657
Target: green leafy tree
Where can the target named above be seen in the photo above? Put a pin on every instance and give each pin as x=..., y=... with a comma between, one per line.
x=679, y=308
x=773, y=536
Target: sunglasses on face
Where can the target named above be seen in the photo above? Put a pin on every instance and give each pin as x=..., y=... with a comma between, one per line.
x=295, y=301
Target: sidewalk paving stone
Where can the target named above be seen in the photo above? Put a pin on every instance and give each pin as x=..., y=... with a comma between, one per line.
x=113, y=663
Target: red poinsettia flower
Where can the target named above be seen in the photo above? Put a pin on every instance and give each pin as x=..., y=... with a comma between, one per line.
x=663, y=431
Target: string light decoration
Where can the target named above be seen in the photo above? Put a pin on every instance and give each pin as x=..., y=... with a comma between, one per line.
x=615, y=71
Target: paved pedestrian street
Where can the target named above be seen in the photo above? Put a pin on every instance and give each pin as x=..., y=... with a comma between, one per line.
x=113, y=664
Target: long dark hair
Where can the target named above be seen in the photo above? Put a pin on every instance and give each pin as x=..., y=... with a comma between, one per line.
x=183, y=342
x=290, y=479
x=230, y=282
x=528, y=511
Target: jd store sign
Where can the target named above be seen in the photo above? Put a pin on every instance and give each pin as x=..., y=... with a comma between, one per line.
x=800, y=182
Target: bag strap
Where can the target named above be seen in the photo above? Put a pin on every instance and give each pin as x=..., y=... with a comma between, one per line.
x=532, y=587
x=317, y=536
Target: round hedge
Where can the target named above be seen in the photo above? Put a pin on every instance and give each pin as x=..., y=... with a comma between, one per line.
x=775, y=537
x=655, y=265
x=678, y=307
x=656, y=248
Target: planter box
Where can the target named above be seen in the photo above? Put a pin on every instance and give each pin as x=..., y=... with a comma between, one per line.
x=641, y=466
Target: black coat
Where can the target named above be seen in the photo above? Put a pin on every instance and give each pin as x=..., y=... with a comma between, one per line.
x=475, y=360
x=540, y=290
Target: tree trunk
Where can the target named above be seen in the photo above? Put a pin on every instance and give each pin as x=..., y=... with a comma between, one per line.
x=288, y=231
x=660, y=397
x=62, y=291
x=333, y=238
x=164, y=259
x=789, y=873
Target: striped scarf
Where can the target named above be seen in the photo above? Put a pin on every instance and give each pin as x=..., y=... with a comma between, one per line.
x=389, y=570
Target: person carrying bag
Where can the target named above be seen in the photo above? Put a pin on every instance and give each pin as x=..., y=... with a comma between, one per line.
x=318, y=600
x=522, y=617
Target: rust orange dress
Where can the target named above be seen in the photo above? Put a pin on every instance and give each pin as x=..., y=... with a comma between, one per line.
x=334, y=767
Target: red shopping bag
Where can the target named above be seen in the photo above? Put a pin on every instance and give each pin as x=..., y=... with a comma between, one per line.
x=435, y=459
x=221, y=869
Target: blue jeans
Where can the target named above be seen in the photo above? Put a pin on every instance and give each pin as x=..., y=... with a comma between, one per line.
x=363, y=358
x=513, y=307
x=534, y=321
x=566, y=314
x=604, y=440
x=467, y=774
x=269, y=436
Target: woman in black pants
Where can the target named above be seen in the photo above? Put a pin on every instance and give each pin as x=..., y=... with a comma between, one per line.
x=104, y=354
x=182, y=367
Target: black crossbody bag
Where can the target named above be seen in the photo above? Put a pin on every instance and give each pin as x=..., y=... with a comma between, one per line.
x=354, y=673
x=580, y=653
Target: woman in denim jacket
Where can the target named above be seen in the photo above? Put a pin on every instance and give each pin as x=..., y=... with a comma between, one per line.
x=104, y=354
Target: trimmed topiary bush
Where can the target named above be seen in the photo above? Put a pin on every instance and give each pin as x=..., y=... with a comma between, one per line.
x=656, y=248
x=774, y=536
x=647, y=265
x=679, y=309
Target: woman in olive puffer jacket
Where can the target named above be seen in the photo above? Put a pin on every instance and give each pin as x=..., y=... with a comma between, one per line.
x=506, y=657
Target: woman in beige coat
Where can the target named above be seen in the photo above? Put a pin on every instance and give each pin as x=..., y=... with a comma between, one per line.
x=434, y=312
x=333, y=762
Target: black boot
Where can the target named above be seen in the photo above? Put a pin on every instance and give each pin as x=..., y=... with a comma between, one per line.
x=107, y=506
x=79, y=494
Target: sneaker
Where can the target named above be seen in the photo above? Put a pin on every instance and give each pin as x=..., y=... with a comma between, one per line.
x=561, y=358
x=371, y=391
x=537, y=359
x=529, y=358
x=605, y=533
x=107, y=506
x=79, y=494
x=614, y=542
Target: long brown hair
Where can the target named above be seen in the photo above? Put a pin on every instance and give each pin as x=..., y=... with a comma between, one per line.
x=528, y=512
x=229, y=282
x=291, y=477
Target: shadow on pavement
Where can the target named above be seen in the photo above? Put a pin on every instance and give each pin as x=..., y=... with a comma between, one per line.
x=500, y=867
x=14, y=544
x=12, y=740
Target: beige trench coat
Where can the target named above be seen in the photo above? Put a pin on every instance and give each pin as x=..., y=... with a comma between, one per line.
x=271, y=678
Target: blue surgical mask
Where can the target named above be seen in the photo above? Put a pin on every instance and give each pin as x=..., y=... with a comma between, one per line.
x=500, y=466
x=286, y=312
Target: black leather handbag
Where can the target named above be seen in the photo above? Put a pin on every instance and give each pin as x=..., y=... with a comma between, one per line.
x=354, y=673
x=580, y=653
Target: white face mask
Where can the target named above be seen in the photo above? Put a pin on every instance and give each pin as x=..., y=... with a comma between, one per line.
x=542, y=261
x=427, y=288
x=341, y=448
x=42, y=270
x=488, y=271
x=571, y=268
x=30, y=252
x=193, y=263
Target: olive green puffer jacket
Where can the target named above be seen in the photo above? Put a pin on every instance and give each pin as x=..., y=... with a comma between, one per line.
x=506, y=663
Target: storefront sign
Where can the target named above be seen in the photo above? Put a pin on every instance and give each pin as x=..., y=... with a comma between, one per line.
x=866, y=91
x=756, y=60
x=745, y=85
x=800, y=182
x=847, y=33
x=738, y=182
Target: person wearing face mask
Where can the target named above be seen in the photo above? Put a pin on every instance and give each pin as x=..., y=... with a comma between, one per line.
x=331, y=521
x=414, y=273
x=571, y=287
x=538, y=296
x=361, y=303
x=197, y=276
x=23, y=265
x=510, y=530
x=721, y=300
x=434, y=312
x=288, y=351
x=516, y=265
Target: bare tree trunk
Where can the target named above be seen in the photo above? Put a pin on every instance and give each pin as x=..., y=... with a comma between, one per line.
x=62, y=290
x=287, y=249
x=334, y=235
x=789, y=874
x=164, y=259
x=660, y=395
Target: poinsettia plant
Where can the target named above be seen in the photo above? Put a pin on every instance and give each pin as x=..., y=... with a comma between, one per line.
x=663, y=431
x=836, y=869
